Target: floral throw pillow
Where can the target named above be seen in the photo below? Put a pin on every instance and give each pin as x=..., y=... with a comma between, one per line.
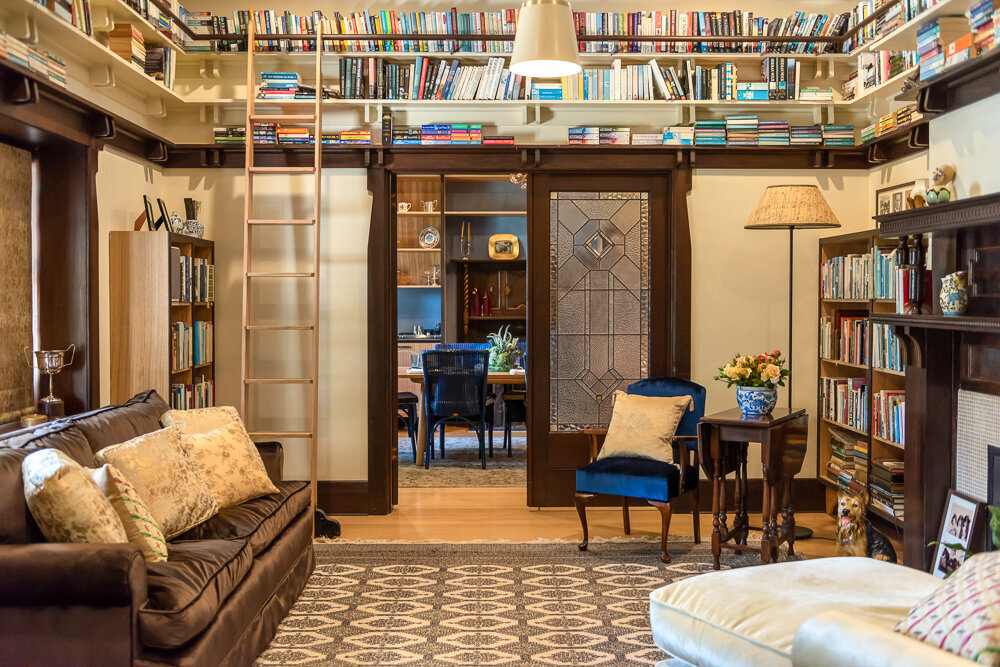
x=66, y=503
x=200, y=420
x=140, y=526
x=229, y=463
x=643, y=426
x=963, y=615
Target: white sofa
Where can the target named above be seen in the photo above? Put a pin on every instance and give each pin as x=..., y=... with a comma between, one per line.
x=827, y=612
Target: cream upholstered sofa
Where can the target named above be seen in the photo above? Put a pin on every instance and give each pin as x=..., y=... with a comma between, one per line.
x=828, y=612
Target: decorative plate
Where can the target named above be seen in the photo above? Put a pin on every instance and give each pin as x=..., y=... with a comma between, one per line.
x=429, y=238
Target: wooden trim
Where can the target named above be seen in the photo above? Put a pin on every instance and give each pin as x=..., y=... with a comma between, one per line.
x=959, y=86
x=343, y=497
x=971, y=212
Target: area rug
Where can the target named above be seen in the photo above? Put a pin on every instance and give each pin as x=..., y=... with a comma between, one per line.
x=461, y=466
x=534, y=603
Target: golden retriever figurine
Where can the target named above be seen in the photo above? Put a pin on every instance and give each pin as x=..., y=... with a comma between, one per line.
x=855, y=534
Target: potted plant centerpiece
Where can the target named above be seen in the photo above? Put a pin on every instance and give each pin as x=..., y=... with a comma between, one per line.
x=503, y=350
x=757, y=379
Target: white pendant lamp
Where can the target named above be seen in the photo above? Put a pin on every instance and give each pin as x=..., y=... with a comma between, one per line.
x=545, y=43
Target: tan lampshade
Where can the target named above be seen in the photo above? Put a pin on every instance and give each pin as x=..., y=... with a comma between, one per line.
x=792, y=207
x=545, y=42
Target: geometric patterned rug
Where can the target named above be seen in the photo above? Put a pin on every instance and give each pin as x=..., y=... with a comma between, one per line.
x=534, y=603
x=461, y=466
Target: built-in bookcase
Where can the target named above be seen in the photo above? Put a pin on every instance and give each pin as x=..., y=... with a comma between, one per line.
x=163, y=317
x=861, y=377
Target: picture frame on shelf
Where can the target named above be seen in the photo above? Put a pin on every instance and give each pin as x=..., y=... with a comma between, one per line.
x=961, y=525
x=504, y=247
x=151, y=221
x=164, y=216
x=893, y=198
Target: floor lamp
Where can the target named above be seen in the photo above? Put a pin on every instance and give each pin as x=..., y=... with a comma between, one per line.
x=792, y=207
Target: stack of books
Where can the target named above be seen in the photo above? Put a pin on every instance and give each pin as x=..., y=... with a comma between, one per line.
x=126, y=41
x=349, y=138
x=815, y=94
x=838, y=135
x=200, y=23
x=710, y=133
x=402, y=136
x=885, y=349
x=13, y=50
x=230, y=135
x=889, y=415
x=294, y=135
x=840, y=468
x=47, y=65
x=498, y=140
x=615, y=135
x=752, y=91
x=860, y=464
x=650, y=139
x=886, y=485
x=678, y=135
x=265, y=133
x=451, y=134
x=806, y=135
x=932, y=39
x=741, y=130
x=278, y=85
x=845, y=401
x=983, y=20
x=584, y=136
x=773, y=132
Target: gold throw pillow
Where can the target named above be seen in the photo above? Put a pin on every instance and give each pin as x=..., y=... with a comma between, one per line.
x=643, y=426
x=140, y=526
x=200, y=420
x=157, y=467
x=229, y=463
x=66, y=503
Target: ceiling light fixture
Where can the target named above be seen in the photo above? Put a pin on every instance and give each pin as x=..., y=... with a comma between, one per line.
x=545, y=43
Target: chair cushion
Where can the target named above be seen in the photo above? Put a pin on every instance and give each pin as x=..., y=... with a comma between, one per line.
x=406, y=397
x=259, y=520
x=749, y=616
x=635, y=478
x=644, y=426
x=185, y=593
x=118, y=423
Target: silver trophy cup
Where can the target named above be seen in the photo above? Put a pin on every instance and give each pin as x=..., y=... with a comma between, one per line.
x=50, y=362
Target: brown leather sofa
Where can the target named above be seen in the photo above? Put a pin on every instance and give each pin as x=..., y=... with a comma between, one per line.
x=218, y=599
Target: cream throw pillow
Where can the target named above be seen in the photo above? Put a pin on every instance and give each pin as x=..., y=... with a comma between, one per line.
x=643, y=426
x=200, y=420
x=157, y=467
x=66, y=503
x=963, y=615
x=140, y=526
x=229, y=463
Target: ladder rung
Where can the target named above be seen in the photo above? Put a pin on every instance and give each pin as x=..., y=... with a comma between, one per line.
x=279, y=434
x=282, y=222
x=278, y=381
x=279, y=327
x=279, y=116
x=282, y=170
x=281, y=275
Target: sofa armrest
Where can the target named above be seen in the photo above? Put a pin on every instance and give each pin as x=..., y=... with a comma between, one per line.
x=94, y=575
x=835, y=639
x=273, y=456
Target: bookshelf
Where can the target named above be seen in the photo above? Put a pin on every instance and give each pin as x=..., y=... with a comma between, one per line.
x=419, y=295
x=850, y=360
x=162, y=332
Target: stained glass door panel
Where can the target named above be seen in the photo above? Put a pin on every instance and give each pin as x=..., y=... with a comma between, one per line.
x=599, y=302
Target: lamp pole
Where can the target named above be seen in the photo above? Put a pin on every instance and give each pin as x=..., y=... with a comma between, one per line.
x=791, y=305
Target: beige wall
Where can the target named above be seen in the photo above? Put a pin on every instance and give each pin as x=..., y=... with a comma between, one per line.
x=969, y=138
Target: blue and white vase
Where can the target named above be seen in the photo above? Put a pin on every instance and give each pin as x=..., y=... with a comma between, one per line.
x=194, y=228
x=756, y=400
x=954, y=297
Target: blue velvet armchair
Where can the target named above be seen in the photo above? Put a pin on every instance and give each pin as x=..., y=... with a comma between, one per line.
x=657, y=482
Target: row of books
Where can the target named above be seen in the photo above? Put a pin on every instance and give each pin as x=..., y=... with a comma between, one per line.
x=428, y=79
x=935, y=37
x=889, y=415
x=127, y=43
x=891, y=121
x=192, y=278
x=847, y=277
x=448, y=134
x=74, y=12
x=845, y=400
x=201, y=394
x=192, y=345
x=271, y=133
x=592, y=136
x=874, y=69
x=885, y=349
x=47, y=65
x=886, y=486
x=902, y=12
x=984, y=21
x=844, y=338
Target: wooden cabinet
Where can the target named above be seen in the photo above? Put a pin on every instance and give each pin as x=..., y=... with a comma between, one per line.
x=403, y=352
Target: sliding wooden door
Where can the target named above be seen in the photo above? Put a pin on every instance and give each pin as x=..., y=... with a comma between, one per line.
x=609, y=303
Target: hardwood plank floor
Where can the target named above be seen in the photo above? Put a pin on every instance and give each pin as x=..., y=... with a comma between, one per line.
x=500, y=514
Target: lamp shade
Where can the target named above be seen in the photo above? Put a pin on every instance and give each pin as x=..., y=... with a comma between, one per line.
x=792, y=207
x=545, y=42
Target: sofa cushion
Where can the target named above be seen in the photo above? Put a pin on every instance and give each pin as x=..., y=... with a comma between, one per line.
x=186, y=592
x=750, y=615
x=142, y=529
x=118, y=423
x=259, y=520
x=200, y=420
x=635, y=478
x=229, y=464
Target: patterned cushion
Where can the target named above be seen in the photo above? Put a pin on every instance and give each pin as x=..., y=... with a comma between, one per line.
x=643, y=426
x=201, y=420
x=963, y=615
x=140, y=526
x=229, y=463
x=156, y=465
x=65, y=501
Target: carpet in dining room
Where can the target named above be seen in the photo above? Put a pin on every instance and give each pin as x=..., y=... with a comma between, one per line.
x=461, y=466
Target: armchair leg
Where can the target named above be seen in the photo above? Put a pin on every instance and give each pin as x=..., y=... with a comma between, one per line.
x=695, y=498
x=665, y=512
x=628, y=526
x=581, y=500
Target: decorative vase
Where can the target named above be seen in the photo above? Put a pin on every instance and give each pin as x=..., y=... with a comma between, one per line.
x=194, y=228
x=756, y=400
x=954, y=294
x=501, y=362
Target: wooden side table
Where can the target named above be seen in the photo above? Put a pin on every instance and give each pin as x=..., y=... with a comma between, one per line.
x=724, y=439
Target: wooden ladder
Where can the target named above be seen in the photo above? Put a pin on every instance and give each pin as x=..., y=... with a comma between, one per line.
x=250, y=276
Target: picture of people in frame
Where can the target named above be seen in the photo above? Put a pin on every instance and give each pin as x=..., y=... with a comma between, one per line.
x=957, y=533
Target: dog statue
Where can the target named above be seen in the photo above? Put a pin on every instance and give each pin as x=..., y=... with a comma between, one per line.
x=855, y=534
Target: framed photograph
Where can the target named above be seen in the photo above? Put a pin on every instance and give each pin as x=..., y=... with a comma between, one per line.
x=960, y=525
x=165, y=215
x=892, y=199
x=150, y=218
x=504, y=246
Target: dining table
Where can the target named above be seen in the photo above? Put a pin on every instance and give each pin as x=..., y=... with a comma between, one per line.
x=416, y=375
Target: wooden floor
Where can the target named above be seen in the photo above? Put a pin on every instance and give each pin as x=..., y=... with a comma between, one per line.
x=501, y=514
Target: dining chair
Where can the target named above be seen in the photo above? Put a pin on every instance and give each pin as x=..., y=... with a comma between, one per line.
x=657, y=482
x=491, y=397
x=406, y=410
x=455, y=391
x=515, y=410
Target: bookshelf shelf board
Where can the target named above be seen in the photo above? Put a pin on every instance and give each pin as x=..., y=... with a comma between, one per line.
x=122, y=13
x=177, y=371
x=889, y=371
x=180, y=304
x=882, y=514
x=881, y=90
x=958, y=85
x=845, y=300
x=834, y=422
x=828, y=483
x=848, y=364
x=890, y=443
x=970, y=323
x=497, y=318
x=205, y=365
x=980, y=211
x=488, y=213
x=418, y=249
x=904, y=38
x=418, y=286
x=427, y=214
x=492, y=262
